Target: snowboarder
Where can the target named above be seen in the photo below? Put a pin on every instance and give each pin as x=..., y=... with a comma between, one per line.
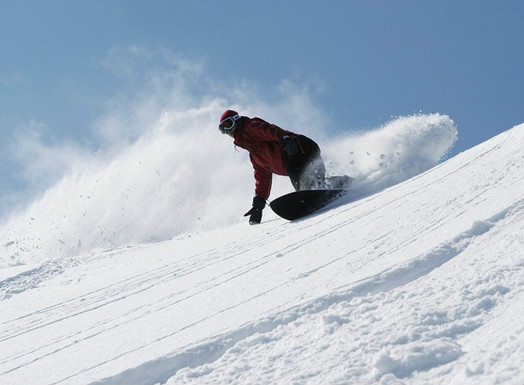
x=273, y=150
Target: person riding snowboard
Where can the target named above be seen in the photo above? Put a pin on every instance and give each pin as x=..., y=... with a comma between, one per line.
x=273, y=150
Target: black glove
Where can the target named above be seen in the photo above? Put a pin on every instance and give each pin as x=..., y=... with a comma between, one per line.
x=255, y=214
x=290, y=144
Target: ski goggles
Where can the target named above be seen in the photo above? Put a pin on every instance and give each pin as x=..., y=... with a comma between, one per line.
x=228, y=123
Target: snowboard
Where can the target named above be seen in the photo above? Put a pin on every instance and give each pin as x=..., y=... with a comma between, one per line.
x=298, y=204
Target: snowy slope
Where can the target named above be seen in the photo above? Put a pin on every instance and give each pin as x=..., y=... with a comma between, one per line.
x=420, y=283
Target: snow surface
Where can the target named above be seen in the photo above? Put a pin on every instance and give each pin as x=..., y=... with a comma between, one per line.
x=417, y=283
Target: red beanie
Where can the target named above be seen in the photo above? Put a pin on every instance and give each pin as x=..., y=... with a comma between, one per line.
x=227, y=114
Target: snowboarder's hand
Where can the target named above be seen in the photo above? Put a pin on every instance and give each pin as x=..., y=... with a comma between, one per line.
x=255, y=214
x=290, y=144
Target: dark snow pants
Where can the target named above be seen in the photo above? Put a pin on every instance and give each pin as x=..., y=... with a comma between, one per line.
x=306, y=168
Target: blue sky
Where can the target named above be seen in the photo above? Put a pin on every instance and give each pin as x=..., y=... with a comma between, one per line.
x=65, y=63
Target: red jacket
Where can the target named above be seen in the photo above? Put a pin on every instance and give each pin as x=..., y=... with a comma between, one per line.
x=261, y=139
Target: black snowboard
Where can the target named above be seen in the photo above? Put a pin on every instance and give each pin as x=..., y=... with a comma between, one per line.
x=298, y=204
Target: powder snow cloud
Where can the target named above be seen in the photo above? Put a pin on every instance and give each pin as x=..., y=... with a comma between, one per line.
x=162, y=168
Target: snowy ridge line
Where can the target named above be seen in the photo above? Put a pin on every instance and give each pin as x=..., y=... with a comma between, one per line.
x=160, y=370
x=362, y=195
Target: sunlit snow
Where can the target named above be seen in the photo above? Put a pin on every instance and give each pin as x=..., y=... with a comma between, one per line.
x=139, y=269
